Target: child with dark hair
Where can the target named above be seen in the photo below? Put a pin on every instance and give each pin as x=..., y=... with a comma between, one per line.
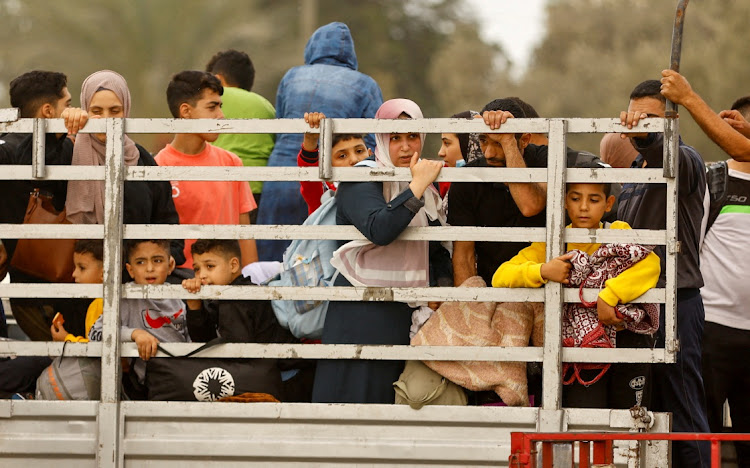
x=623, y=272
x=347, y=149
x=147, y=322
x=195, y=94
x=88, y=258
x=236, y=72
x=217, y=262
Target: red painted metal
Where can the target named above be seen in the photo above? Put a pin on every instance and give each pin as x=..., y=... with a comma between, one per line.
x=523, y=445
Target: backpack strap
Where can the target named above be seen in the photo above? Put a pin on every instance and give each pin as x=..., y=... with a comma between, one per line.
x=717, y=176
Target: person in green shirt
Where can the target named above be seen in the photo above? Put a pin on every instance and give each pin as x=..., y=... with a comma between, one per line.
x=236, y=72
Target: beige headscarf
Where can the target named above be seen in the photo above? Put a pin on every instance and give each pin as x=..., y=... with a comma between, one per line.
x=85, y=200
x=617, y=152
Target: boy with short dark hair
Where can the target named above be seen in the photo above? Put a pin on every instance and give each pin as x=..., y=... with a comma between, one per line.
x=623, y=272
x=148, y=322
x=195, y=94
x=347, y=149
x=88, y=258
x=216, y=262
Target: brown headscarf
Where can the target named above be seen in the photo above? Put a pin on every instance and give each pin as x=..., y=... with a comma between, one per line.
x=85, y=200
x=617, y=152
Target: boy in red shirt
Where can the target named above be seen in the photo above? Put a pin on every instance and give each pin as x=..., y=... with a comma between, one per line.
x=195, y=94
x=347, y=149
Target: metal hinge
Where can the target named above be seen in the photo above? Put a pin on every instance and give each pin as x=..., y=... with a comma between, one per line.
x=674, y=247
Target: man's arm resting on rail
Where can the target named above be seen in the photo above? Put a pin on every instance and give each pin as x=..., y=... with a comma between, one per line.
x=677, y=89
x=530, y=198
x=464, y=261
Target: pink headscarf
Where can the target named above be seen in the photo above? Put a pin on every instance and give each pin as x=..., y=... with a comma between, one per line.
x=392, y=109
x=85, y=200
x=617, y=152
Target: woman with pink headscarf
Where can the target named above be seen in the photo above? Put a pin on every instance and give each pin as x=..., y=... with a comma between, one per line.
x=105, y=94
x=381, y=211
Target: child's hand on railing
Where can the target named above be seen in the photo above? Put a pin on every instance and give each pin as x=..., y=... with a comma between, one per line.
x=310, y=143
x=146, y=342
x=557, y=269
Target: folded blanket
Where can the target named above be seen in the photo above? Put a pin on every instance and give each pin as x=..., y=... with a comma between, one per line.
x=484, y=324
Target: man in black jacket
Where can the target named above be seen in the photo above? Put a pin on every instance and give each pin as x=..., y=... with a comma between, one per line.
x=43, y=95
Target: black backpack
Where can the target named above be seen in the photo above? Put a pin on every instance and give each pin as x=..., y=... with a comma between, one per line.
x=717, y=176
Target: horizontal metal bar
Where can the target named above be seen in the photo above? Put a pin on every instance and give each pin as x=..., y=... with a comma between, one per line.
x=51, y=231
x=599, y=355
x=364, y=352
x=48, y=290
x=136, y=126
x=9, y=115
x=609, y=125
x=464, y=174
x=609, y=236
x=281, y=231
x=23, y=172
x=466, y=233
x=135, y=291
x=50, y=348
x=338, y=413
x=592, y=176
x=350, y=174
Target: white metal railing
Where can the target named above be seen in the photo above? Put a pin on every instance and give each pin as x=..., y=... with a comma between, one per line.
x=115, y=173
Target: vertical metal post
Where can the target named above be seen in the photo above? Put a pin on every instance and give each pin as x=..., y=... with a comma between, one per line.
x=584, y=454
x=671, y=157
x=325, y=161
x=109, y=420
x=551, y=416
x=674, y=64
x=715, y=454
x=38, y=153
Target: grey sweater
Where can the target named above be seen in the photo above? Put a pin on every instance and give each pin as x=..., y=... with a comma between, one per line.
x=163, y=318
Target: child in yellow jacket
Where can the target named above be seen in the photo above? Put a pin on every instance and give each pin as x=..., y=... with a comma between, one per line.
x=88, y=258
x=624, y=385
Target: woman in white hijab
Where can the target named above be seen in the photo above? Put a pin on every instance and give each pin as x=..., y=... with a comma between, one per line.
x=381, y=211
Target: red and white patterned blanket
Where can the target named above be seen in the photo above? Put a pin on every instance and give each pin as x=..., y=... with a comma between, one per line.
x=581, y=326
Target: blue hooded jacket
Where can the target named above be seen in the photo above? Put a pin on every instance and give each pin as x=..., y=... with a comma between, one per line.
x=330, y=83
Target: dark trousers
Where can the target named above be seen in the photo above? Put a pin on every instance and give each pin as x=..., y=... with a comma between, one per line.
x=678, y=387
x=19, y=375
x=621, y=387
x=726, y=376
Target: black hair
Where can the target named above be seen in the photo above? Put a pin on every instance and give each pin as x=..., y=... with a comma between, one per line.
x=743, y=106
x=132, y=244
x=226, y=247
x=648, y=89
x=339, y=137
x=95, y=247
x=235, y=66
x=527, y=108
x=606, y=186
x=508, y=105
x=505, y=104
x=33, y=89
x=187, y=86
